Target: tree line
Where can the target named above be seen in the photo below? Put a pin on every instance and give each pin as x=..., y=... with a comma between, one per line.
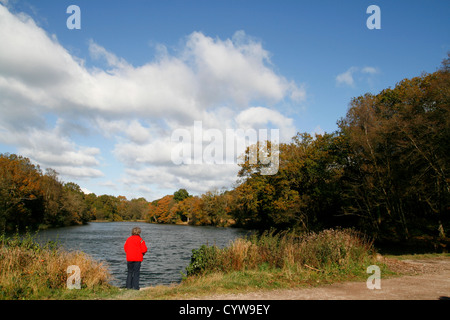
x=30, y=198
x=384, y=171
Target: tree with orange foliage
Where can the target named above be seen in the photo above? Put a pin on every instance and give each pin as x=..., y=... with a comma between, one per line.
x=163, y=213
x=21, y=196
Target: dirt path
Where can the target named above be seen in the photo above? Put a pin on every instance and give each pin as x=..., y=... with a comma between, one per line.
x=429, y=280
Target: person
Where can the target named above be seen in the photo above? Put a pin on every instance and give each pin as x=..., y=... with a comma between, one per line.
x=135, y=249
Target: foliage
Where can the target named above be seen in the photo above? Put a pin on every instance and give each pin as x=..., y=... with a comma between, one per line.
x=385, y=171
x=328, y=250
x=302, y=195
x=21, y=195
x=201, y=261
x=180, y=195
x=397, y=176
x=31, y=199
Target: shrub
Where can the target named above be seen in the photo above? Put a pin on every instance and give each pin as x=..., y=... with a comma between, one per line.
x=202, y=260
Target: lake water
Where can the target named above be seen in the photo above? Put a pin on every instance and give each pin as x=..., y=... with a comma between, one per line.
x=170, y=246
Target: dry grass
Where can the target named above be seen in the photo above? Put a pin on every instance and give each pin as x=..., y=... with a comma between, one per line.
x=29, y=270
x=341, y=249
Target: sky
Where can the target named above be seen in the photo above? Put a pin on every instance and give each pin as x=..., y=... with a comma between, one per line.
x=110, y=105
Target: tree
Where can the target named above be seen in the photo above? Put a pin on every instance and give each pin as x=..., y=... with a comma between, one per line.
x=21, y=194
x=303, y=194
x=163, y=211
x=53, y=198
x=399, y=140
x=215, y=209
x=180, y=195
x=192, y=210
x=137, y=209
x=74, y=206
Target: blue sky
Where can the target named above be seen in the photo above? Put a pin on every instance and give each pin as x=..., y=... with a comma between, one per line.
x=99, y=104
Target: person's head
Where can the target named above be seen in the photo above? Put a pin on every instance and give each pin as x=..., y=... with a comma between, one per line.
x=136, y=231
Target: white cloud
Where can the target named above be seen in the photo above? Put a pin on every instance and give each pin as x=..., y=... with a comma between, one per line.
x=260, y=117
x=137, y=108
x=236, y=69
x=317, y=131
x=98, y=52
x=51, y=148
x=370, y=70
x=347, y=78
x=85, y=190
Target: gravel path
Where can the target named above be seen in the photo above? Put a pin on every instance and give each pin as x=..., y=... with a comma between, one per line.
x=427, y=279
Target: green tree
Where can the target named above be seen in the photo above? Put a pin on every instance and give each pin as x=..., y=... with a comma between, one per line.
x=74, y=206
x=180, y=195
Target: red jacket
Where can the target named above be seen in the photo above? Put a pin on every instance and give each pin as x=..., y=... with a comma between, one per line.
x=135, y=248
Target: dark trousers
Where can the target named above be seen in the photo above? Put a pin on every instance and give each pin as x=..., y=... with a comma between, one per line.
x=134, y=268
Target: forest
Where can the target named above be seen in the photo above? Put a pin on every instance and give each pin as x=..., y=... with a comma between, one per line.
x=384, y=172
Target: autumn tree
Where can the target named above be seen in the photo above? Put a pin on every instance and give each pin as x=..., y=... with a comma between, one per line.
x=21, y=196
x=163, y=213
x=192, y=210
x=302, y=194
x=399, y=140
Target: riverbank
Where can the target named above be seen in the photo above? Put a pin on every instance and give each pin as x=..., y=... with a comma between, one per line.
x=31, y=271
x=407, y=277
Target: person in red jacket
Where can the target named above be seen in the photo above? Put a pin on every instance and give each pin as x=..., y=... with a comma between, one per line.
x=135, y=250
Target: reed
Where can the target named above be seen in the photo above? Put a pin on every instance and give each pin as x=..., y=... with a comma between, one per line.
x=29, y=270
x=327, y=251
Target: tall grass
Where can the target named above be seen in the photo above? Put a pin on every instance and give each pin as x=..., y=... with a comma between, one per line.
x=326, y=251
x=29, y=270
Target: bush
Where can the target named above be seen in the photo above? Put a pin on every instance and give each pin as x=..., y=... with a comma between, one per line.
x=202, y=260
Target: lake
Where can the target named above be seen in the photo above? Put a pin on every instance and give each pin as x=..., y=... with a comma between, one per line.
x=170, y=246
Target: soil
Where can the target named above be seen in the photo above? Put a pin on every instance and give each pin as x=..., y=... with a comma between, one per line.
x=427, y=279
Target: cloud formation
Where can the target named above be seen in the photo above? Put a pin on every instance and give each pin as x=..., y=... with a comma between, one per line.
x=49, y=98
x=347, y=78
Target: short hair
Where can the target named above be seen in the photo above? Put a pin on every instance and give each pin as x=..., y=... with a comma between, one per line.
x=136, y=231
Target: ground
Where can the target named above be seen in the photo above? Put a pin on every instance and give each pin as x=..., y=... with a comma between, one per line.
x=427, y=279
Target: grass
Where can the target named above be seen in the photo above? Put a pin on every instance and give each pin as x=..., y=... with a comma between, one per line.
x=29, y=270
x=266, y=262
x=273, y=261
x=326, y=251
